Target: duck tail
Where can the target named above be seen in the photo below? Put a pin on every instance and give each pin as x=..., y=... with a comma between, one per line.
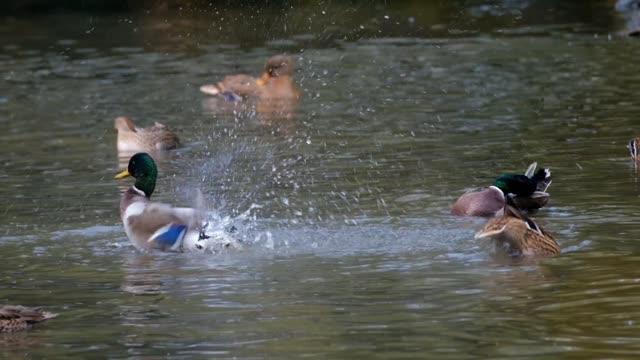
x=32, y=315
x=210, y=89
x=531, y=170
x=542, y=177
x=48, y=315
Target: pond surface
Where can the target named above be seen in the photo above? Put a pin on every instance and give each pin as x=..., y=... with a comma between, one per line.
x=350, y=251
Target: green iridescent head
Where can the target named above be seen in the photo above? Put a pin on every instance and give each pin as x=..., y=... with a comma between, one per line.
x=517, y=184
x=144, y=170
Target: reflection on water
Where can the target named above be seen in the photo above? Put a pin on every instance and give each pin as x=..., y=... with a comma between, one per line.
x=144, y=276
x=341, y=200
x=277, y=114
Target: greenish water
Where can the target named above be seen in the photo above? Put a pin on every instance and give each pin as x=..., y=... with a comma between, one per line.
x=352, y=253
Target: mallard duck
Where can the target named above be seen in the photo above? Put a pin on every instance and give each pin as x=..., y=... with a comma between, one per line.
x=132, y=139
x=633, y=148
x=17, y=318
x=518, y=235
x=540, y=197
x=150, y=225
x=276, y=82
x=528, y=191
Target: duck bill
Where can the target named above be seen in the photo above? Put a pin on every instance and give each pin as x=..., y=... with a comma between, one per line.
x=263, y=80
x=123, y=174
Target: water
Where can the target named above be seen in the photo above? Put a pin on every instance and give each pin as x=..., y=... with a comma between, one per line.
x=351, y=253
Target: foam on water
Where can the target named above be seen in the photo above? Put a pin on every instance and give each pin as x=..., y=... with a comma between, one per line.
x=225, y=232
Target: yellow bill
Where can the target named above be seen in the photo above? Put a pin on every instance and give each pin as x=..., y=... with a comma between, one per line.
x=263, y=80
x=123, y=174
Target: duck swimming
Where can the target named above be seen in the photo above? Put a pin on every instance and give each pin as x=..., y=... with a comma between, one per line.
x=276, y=82
x=157, y=226
x=528, y=191
x=518, y=235
x=17, y=318
x=132, y=139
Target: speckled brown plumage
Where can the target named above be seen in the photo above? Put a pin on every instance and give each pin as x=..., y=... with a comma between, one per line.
x=518, y=235
x=18, y=318
x=133, y=139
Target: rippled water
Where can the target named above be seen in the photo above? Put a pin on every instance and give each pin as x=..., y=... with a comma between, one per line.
x=352, y=253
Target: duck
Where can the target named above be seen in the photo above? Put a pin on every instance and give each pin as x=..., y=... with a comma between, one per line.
x=275, y=83
x=518, y=235
x=158, y=226
x=527, y=191
x=132, y=139
x=17, y=318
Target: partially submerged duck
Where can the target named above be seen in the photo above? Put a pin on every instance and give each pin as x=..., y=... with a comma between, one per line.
x=17, y=318
x=132, y=139
x=528, y=191
x=518, y=235
x=275, y=82
x=157, y=226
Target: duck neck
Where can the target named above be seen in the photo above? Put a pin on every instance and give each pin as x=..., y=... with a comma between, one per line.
x=146, y=184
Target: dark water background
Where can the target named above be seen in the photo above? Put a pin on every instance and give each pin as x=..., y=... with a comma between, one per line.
x=352, y=253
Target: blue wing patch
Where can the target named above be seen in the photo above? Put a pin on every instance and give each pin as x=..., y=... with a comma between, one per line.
x=170, y=236
x=231, y=96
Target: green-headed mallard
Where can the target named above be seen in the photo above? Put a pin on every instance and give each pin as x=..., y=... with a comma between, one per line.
x=276, y=82
x=132, y=139
x=17, y=318
x=150, y=225
x=518, y=235
x=528, y=191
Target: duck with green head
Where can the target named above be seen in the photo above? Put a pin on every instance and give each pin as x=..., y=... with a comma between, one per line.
x=150, y=225
x=527, y=191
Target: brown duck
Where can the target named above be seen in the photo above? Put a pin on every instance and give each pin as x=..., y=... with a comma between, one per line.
x=132, y=139
x=276, y=82
x=518, y=235
x=18, y=318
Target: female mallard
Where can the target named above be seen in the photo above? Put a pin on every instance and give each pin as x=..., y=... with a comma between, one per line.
x=276, y=82
x=528, y=191
x=151, y=225
x=132, y=139
x=518, y=235
x=17, y=318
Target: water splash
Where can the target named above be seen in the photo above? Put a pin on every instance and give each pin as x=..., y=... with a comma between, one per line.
x=225, y=232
